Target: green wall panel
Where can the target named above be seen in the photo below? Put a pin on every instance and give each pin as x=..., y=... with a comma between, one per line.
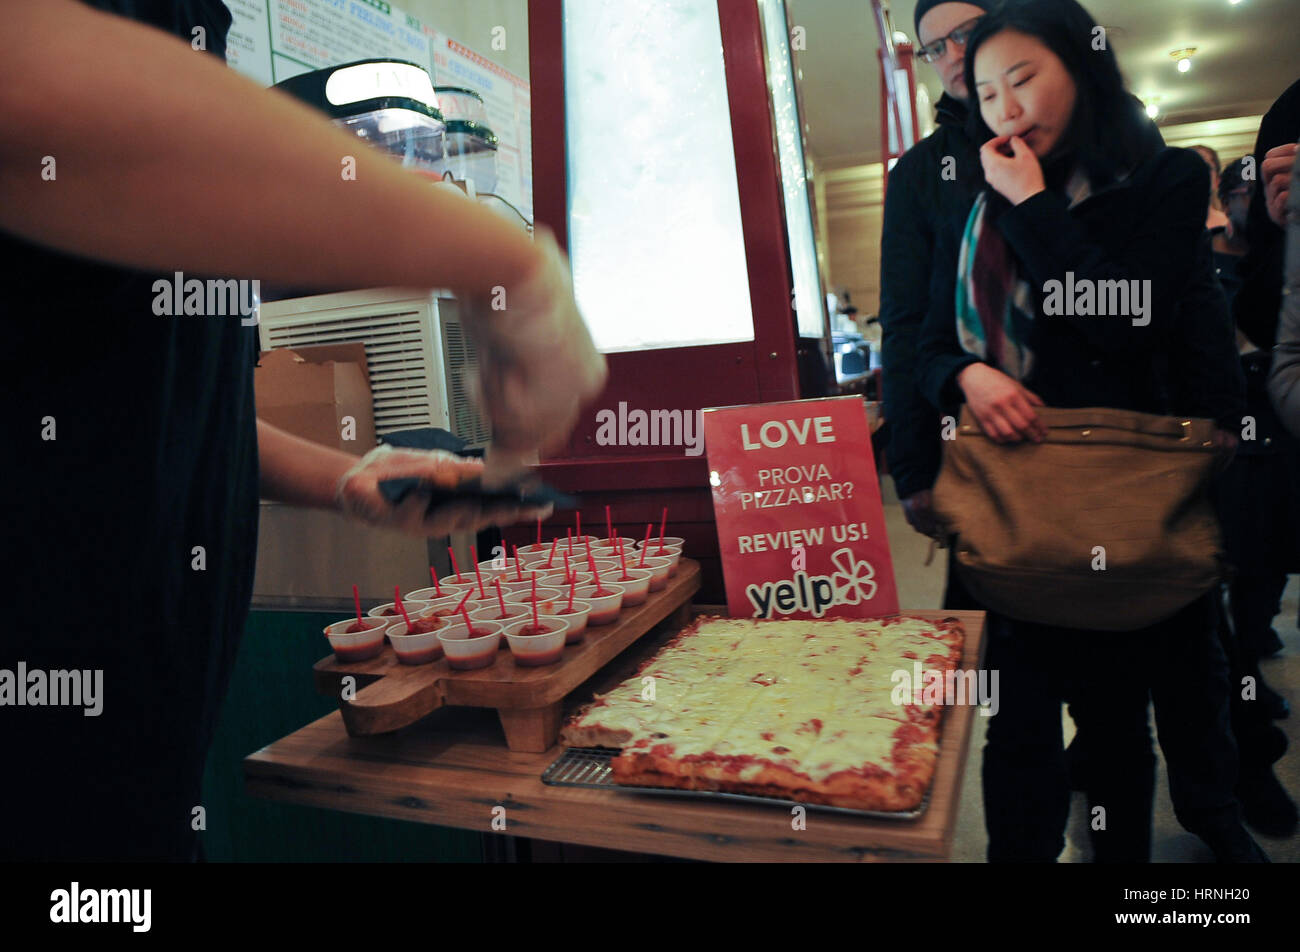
x=271, y=695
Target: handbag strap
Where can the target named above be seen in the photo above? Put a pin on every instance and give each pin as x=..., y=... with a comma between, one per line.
x=1103, y=425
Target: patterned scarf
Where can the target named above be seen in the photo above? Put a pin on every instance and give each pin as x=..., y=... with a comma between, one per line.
x=995, y=308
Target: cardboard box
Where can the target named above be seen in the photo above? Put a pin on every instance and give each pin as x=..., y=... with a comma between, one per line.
x=310, y=391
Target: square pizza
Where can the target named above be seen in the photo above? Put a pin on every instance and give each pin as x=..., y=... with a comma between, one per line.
x=800, y=710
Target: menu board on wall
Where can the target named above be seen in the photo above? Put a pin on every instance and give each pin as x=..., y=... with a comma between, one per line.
x=272, y=40
x=509, y=106
x=247, y=46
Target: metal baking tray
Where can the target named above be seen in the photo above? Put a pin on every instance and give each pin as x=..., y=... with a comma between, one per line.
x=589, y=767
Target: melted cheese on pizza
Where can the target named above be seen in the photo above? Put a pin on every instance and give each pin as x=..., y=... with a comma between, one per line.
x=816, y=697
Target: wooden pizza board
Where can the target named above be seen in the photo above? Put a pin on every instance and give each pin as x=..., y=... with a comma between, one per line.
x=529, y=701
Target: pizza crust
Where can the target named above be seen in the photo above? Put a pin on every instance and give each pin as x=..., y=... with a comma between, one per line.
x=883, y=793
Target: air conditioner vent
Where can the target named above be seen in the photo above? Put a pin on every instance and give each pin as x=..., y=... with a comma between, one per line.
x=417, y=357
x=461, y=362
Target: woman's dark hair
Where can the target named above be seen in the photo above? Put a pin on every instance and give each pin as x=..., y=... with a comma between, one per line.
x=1233, y=177
x=1109, y=133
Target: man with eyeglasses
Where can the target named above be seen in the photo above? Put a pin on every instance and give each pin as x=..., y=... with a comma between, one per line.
x=935, y=180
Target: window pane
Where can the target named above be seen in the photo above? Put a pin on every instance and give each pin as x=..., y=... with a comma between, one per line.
x=654, y=212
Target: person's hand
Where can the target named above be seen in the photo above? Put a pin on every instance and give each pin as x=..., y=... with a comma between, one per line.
x=1225, y=443
x=1278, y=166
x=358, y=494
x=919, y=510
x=1016, y=177
x=537, y=364
x=1003, y=407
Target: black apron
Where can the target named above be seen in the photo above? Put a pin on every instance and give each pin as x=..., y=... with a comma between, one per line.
x=131, y=538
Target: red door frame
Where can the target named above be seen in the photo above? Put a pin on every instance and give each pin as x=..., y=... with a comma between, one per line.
x=689, y=378
x=762, y=371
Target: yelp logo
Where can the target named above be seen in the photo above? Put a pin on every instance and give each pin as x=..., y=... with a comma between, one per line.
x=852, y=582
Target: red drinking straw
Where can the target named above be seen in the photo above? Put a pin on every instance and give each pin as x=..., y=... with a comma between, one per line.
x=356, y=599
x=452, y=552
x=550, y=558
x=623, y=559
x=536, y=621
x=478, y=573
x=433, y=574
x=662, y=524
x=519, y=572
x=568, y=572
x=397, y=600
x=645, y=544
x=539, y=531
x=501, y=599
x=594, y=573
x=573, y=587
x=469, y=626
x=609, y=528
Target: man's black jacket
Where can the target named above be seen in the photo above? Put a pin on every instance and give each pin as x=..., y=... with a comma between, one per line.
x=934, y=182
x=1259, y=301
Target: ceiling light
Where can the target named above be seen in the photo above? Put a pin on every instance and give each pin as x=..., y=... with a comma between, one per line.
x=1184, y=58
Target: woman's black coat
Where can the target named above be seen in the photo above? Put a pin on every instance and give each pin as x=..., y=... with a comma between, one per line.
x=1150, y=227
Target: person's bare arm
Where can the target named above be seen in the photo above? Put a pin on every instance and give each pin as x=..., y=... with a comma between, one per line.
x=166, y=159
x=301, y=472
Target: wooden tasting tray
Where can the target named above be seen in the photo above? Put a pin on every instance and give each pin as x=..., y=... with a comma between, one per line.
x=529, y=701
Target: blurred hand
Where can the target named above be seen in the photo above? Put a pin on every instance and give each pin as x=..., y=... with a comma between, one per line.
x=537, y=364
x=1016, y=177
x=1226, y=443
x=1003, y=407
x=358, y=494
x=919, y=510
x=1278, y=166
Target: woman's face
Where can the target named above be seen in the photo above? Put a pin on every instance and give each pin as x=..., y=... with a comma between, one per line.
x=1024, y=90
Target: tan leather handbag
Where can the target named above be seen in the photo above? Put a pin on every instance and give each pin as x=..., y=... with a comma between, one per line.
x=1106, y=525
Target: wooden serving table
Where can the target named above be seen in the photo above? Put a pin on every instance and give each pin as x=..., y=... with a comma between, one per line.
x=453, y=769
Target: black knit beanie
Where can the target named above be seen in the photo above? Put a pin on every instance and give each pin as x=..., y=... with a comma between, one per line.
x=925, y=6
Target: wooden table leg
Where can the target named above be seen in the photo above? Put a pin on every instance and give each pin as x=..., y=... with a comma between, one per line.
x=532, y=730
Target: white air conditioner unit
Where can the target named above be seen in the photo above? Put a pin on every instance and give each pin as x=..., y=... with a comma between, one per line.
x=418, y=355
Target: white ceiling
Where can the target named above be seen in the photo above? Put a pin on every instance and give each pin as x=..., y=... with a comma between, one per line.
x=1248, y=54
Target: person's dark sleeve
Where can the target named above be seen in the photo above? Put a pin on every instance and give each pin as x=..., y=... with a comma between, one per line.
x=1048, y=242
x=1284, y=381
x=906, y=247
x=940, y=357
x=1258, y=301
x=1205, y=371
